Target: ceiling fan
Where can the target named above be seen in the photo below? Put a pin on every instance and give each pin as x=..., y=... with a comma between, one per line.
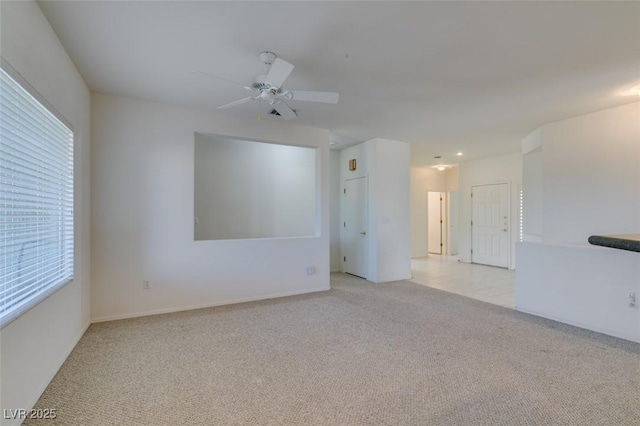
x=268, y=87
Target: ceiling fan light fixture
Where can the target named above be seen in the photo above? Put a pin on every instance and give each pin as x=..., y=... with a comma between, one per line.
x=442, y=167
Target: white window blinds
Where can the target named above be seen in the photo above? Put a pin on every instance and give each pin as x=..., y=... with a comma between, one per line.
x=36, y=201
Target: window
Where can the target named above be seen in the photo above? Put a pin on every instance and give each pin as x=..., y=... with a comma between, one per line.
x=520, y=214
x=36, y=200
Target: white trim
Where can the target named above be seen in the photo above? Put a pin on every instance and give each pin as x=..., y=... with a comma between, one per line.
x=31, y=303
x=205, y=305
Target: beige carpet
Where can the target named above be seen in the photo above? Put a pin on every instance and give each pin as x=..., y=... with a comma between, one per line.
x=360, y=354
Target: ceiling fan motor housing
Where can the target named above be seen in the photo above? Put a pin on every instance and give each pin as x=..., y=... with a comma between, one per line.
x=267, y=57
x=259, y=83
x=265, y=90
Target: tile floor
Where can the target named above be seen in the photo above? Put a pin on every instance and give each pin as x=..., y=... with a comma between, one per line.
x=486, y=283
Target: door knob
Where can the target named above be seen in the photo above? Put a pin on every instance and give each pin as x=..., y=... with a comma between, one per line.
x=363, y=233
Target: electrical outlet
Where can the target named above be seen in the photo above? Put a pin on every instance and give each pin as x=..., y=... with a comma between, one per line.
x=311, y=270
x=633, y=300
x=146, y=285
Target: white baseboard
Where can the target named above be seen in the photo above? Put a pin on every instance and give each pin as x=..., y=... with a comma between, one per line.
x=205, y=305
x=614, y=333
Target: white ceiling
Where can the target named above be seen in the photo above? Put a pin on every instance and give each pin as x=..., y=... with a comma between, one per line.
x=446, y=76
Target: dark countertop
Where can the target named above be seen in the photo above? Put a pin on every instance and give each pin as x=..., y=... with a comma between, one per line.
x=630, y=242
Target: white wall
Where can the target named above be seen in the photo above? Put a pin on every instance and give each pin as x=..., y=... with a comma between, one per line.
x=584, y=286
x=142, y=215
x=500, y=169
x=453, y=210
x=533, y=195
x=591, y=169
x=582, y=177
x=585, y=172
x=451, y=179
x=532, y=186
x=34, y=346
x=386, y=164
x=248, y=189
x=334, y=207
x=391, y=181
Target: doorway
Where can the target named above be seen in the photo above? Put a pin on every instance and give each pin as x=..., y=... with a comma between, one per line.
x=354, y=236
x=490, y=225
x=435, y=222
x=442, y=223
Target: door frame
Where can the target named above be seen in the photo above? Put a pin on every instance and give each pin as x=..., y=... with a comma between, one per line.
x=443, y=219
x=501, y=182
x=452, y=223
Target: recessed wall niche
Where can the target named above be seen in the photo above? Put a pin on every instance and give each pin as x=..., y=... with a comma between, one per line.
x=253, y=189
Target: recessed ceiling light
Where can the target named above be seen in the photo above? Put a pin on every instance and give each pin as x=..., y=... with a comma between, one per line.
x=441, y=168
x=459, y=154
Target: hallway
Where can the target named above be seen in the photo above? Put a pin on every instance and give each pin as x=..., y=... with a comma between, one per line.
x=486, y=283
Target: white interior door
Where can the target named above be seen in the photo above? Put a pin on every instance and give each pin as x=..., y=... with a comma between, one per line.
x=490, y=225
x=434, y=222
x=354, y=227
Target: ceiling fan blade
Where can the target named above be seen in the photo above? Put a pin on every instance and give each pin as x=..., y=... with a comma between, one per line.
x=279, y=72
x=284, y=110
x=324, y=97
x=222, y=78
x=234, y=103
